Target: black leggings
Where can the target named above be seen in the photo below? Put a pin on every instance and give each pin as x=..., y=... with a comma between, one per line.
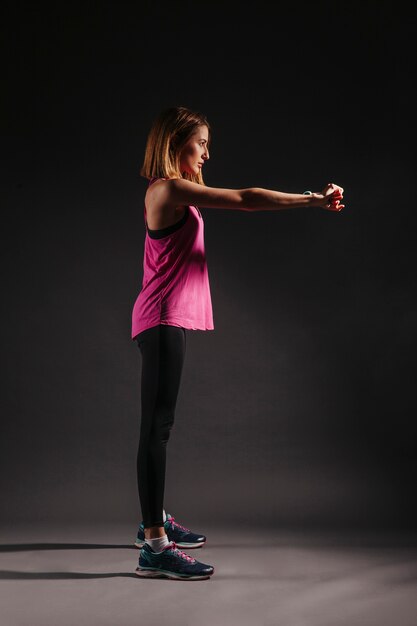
x=163, y=352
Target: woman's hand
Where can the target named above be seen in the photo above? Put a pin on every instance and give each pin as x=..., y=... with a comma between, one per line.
x=330, y=198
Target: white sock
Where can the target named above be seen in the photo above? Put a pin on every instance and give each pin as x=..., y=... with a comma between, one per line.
x=158, y=544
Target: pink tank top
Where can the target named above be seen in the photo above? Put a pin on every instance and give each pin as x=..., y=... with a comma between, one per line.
x=175, y=286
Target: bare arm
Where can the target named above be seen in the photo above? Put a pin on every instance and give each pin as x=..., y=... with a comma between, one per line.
x=269, y=200
x=178, y=191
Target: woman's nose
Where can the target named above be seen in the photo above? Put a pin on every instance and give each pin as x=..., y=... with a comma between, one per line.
x=206, y=154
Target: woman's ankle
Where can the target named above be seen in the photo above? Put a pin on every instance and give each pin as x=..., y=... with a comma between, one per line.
x=154, y=532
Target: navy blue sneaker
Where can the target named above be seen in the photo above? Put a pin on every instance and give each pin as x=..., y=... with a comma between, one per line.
x=182, y=536
x=171, y=563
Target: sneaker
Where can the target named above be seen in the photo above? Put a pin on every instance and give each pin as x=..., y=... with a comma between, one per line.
x=182, y=536
x=171, y=563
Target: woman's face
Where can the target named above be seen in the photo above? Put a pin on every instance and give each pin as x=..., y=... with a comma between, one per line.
x=195, y=152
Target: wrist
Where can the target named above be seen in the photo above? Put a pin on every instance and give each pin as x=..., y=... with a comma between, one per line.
x=311, y=197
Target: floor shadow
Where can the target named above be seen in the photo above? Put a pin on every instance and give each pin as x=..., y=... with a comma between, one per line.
x=13, y=575
x=27, y=547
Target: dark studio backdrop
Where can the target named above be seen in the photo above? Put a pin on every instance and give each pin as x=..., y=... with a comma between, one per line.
x=299, y=408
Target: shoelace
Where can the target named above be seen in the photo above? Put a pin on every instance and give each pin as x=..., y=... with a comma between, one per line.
x=180, y=553
x=174, y=523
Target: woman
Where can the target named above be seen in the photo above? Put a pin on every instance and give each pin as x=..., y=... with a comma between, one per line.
x=175, y=296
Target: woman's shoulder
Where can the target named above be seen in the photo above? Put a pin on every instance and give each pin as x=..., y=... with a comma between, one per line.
x=154, y=186
x=161, y=212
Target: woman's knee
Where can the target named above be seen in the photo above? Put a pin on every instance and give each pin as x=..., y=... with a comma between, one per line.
x=163, y=424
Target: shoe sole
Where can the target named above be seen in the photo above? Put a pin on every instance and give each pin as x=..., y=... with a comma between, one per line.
x=180, y=545
x=157, y=573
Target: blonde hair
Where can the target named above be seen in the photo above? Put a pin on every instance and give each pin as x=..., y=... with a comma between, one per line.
x=169, y=132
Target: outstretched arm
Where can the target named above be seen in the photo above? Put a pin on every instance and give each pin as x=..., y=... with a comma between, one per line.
x=178, y=191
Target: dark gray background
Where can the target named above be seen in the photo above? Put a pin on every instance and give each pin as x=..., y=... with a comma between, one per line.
x=299, y=408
